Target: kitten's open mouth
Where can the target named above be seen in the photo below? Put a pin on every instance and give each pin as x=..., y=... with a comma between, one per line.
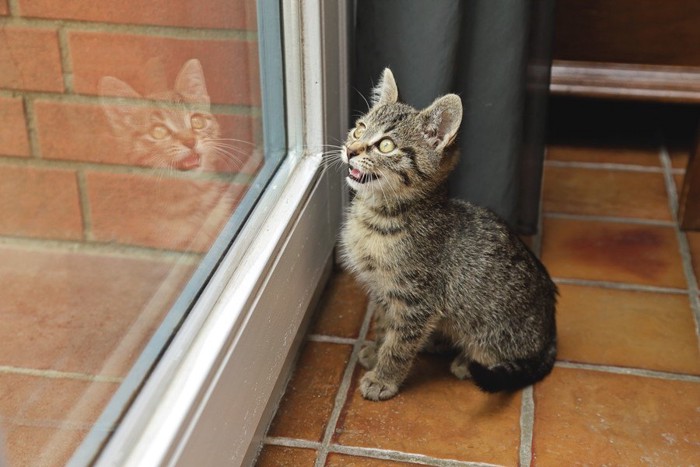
x=360, y=176
x=192, y=161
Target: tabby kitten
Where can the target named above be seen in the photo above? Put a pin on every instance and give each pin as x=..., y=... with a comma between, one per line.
x=437, y=270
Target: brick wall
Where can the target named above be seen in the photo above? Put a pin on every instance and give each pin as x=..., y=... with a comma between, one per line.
x=96, y=246
x=63, y=174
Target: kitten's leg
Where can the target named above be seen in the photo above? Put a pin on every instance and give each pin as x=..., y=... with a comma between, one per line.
x=404, y=338
x=368, y=353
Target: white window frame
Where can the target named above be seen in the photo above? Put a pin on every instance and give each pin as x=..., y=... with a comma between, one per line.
x=210, y=399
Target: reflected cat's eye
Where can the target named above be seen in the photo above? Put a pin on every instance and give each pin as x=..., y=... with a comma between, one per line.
x=198, y=122
x=386, y=145
x=159, y=131
x=359, y=131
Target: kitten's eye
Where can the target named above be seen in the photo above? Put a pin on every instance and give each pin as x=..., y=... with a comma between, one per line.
x=359, y=131
x=386, y=145
x=159, y=131
x=198, y=122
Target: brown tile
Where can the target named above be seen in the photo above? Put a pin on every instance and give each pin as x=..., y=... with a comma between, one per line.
x=59, y=400
x=41, y=445
x=437, y=415
x=310, y=396
x=607, y=419
x=694, y=245
x=341, y=460
x=608, y=251
x=94, y=313
x=342, y=308
x=609, y=154
x=625, y=328
x=605, y=193
x=283, y=456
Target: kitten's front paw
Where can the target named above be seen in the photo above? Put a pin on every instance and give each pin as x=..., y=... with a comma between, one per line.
x=373, y=389
x=368, y=355
x=460, y=367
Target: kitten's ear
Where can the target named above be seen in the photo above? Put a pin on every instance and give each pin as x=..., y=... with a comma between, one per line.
x=386, y=91
x=190, y=82
x=121, y=117
x=441, y=121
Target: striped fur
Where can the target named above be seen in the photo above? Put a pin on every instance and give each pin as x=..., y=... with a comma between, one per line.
x=437, y=270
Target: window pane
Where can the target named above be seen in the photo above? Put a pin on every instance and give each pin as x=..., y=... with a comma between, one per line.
x=135, y=138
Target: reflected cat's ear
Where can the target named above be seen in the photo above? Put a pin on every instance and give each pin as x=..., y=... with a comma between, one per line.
x=386, y=91
x=190, y=82
x=441, y=121
x=121, y=117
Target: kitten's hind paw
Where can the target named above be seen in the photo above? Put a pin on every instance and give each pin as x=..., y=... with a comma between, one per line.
x=368, y=355
x=460, y=367
x=373, y=389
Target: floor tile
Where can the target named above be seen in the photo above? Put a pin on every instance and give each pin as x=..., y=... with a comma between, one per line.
x=55, y=400
x=283, y=456
x=437, y=415
x=342, y=308
x=310, y=396
x=693, y=237
x=596, y=418
x=616, y=252
x=94, y=313
x=341, y=460
x=41, y=445
x=605, y=193
x=625, y=328
x=645, y=156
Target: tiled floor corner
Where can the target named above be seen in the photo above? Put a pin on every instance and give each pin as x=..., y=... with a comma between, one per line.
x=626, y=386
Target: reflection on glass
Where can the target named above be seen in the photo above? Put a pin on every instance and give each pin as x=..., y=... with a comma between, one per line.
x=128, y=141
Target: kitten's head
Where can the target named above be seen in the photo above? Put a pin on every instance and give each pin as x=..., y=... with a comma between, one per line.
x=397, y=151
x=175, y=130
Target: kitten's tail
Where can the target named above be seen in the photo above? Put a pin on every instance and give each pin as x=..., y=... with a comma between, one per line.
x=515, y=374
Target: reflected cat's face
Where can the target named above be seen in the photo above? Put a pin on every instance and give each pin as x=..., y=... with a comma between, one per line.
x=174, y=130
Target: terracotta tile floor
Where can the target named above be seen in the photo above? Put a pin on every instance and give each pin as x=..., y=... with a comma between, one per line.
x=626, y=387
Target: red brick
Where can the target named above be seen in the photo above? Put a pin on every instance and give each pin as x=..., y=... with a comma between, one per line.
x=150, y=64
x=13, y=131
x=30, y=59
x=79, y=312
x=159, y=212
x=39, y=203
x=236, y=14
x=81, y=132
x=4, y=10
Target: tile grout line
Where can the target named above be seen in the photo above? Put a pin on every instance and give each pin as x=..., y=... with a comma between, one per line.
x=619, y=370
x=331, y=339
x=56, y=374
x=682, y=239
x=619, y=285
x=610, y=166
x=343, y=390
x=388, y=454
x=619, y=220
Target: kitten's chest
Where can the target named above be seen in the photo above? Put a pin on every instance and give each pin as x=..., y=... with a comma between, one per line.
x=374, y=245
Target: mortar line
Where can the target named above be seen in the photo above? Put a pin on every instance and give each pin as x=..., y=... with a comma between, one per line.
x=57, y=374
x=149, y=30
x=682, y=240
x=343, y=390
x=103, y=249
x=619, y=285
x=629, y=371
x=413, y=458
x=13, y=8
x=608, y=166
x=123, y=169
x=66, y=63
x=615, y=219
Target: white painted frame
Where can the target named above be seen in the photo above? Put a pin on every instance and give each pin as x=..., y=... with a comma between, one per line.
x=210, y=399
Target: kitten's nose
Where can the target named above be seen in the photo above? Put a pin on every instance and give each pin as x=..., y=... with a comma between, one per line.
x=353, y=151
x=189, y=141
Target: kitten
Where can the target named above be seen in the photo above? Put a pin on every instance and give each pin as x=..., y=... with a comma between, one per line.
x=175, y=130
x=437, y=270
